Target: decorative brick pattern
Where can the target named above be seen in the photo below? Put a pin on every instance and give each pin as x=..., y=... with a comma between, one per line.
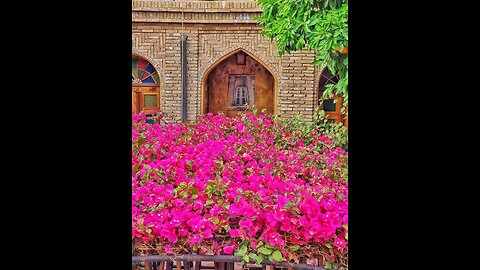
x=149, y=43
x=195, y=6
x=193, y=92
x=215, y=44
x=193, y=17
x=214, y=29
x=296, y=95
x=171, y=100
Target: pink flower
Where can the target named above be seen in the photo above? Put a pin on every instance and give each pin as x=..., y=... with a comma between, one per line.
x=196, y=223
x=228, y=249
x=254, y=243
x=263, y=179
x=182, y=232
x=215, y=209
x=170, y=235
x=275, y=239
x=207, y=234
x=234, y=233
x=198, y=205
x=247, y=224
x=196, y=238
x=340, y=242
x=281, y=201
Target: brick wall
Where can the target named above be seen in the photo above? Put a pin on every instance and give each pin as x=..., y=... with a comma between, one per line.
x=214, y=29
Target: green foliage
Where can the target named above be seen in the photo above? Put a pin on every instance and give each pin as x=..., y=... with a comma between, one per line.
x=318, y=25
x=241, y=251
x=257, y=257
x=277, y=256
x=294, y=247
x=265, y=250
x=319, y=126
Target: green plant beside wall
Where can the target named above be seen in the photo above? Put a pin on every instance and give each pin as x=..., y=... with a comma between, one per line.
x=317, y=25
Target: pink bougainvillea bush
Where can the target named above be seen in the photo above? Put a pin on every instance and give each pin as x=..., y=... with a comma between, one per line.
x=248, y=186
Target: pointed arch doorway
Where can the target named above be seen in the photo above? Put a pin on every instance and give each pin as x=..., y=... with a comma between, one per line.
x=236, y=83
x=332, y=106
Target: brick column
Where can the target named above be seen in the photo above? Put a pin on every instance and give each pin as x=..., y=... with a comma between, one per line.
x=172, y=94
x=296, y=95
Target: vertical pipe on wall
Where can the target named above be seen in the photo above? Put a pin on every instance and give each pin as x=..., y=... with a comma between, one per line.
x=183, y=56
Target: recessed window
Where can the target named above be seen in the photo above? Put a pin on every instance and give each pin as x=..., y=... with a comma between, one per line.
x=150, y=100
x=241, y=96
x=240, y=91
x=329, y=105
x=325, y=78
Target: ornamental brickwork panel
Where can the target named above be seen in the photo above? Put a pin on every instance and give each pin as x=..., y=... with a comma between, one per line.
x=215, y=30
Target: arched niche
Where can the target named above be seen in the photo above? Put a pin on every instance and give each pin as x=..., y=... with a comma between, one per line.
x=332, y=106
x=237, y=82
x=145, y=86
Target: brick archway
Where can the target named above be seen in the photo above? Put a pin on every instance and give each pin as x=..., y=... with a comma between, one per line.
x=260, y=57
x=205, y=71
x=317, y=73
x=156, y=65
x=147, y=96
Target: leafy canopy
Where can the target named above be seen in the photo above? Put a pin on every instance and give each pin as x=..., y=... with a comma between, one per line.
x=318, y=25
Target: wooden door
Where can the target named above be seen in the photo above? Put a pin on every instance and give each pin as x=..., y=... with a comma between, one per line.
x=145, y=98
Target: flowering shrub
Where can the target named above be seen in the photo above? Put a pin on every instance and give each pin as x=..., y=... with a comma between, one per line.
x=247, y=186
x=337, y=133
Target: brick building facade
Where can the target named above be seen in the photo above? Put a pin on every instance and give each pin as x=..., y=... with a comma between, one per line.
x=215, y=31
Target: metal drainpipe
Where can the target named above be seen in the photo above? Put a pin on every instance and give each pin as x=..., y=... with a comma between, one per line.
x=183, y=56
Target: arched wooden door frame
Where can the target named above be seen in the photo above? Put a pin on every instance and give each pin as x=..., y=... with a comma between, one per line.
x=138, y=96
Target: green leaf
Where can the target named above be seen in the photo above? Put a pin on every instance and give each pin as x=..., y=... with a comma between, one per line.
x=246, y=259
x=211, y=183
x=329, y=245
x=294, y=248
x=328, y=265
x=277, y=256
x=184, y=194
x=268, y=246
x=260, y=258
x=322, y=113
x=214, y=220
x=182, y=185
x=241, y=251
x=264, y=250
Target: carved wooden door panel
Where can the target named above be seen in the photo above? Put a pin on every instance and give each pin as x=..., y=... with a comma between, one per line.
x=145, y=98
